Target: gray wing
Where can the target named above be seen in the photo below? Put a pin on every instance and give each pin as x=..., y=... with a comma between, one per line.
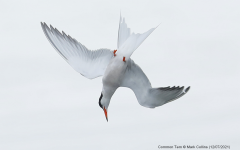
x=90, y=64
x=147, y=96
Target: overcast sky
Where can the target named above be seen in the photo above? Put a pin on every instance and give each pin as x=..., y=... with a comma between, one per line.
x=46, y=105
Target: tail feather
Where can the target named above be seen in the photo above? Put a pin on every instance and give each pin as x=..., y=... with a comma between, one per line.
x=127, y=42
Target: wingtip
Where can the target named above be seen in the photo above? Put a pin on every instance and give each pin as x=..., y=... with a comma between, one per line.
x=187, y=89
x=42, y=24
x=158, y=25
x=51, y=26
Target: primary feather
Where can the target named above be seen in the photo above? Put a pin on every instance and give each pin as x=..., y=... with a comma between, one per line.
x=135, y=79
x=88, y=63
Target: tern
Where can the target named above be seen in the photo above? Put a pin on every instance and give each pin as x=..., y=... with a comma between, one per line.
x=116, y=66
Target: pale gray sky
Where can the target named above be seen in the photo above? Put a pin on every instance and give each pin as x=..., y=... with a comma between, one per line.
x=46, y=105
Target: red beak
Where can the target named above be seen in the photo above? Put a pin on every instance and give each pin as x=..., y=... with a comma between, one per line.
x=105, y=111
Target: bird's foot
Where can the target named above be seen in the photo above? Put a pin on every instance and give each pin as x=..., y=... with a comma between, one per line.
x=114, y=52
x=124, y=59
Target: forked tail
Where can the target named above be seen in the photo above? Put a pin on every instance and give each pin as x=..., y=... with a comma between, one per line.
x=127, y=42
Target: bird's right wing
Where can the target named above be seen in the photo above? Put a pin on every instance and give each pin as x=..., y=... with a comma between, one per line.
x=147, y=96
x=90, y=64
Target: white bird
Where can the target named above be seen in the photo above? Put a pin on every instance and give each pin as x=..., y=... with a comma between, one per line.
x=116, y=67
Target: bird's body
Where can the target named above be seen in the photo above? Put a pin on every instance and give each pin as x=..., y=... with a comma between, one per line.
x=114, y=73
x=116, y=67
x=113, y=77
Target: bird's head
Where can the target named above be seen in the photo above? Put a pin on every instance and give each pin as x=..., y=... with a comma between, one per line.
x=103, y=103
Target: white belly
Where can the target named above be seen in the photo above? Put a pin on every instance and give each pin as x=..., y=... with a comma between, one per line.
x=114, y=73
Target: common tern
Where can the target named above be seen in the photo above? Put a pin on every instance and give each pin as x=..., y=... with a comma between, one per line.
x=116, y=66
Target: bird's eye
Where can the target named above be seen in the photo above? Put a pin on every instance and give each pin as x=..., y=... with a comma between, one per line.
x=100, y=100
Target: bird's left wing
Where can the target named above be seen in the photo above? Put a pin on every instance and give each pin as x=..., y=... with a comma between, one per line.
x=147, y=96
x=90, y=64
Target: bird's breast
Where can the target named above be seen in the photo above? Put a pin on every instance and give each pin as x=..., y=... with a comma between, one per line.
x=114, y=73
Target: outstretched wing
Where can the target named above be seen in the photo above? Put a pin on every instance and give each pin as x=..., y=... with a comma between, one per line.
x=147, y=96
x=90, y=64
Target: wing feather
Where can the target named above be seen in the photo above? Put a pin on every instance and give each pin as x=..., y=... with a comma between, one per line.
x=88, y=63
x=147, y=96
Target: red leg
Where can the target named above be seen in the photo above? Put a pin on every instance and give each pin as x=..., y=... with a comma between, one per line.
x=114, y=52
x=124, y=59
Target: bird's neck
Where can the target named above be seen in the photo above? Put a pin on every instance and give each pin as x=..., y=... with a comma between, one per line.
x=108, y=92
